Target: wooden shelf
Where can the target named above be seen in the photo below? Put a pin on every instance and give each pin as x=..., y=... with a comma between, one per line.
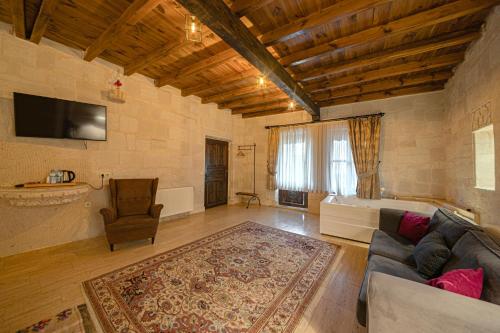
x=50, y=196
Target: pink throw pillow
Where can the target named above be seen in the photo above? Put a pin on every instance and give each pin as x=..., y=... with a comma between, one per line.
x=467, y=282
x=413, y=227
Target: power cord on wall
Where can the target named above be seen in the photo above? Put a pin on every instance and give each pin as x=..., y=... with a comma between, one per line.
x=102, y=184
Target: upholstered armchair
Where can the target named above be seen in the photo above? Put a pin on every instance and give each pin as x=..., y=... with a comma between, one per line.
x=133, y=214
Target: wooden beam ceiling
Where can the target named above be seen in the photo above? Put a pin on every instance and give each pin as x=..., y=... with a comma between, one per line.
x=219, y=18
x=385, y=72
x=273, y=105
x=130, y=17
x=18, y=20
x=404, y=25
x=386, y=84
x=334, y=12
x=244, y=7
x=42, y=20
x=388, y=55
x=235, y=93
x=201, y=89
x=198, y=67
x=384, y=94
x=269, y=112
x=255, y=100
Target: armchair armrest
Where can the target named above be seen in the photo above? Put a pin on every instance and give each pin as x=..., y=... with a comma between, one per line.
x=108, y=214
x=155, y=210
x=390, y=219
x=399, y=305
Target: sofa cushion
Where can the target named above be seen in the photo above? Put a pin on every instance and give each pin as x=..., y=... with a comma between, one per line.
x=385, y=265
x=392, y=246
x=430, y=254
x=449, y=225
x=476, y=249
x=390, y=219
x=134, y=196
x=413, y=227
x=467, y=282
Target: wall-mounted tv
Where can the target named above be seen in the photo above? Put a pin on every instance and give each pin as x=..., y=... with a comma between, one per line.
x=44, y=117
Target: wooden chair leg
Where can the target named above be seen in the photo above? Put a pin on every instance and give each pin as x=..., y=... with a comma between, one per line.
x=152, y=240
x=112, y=247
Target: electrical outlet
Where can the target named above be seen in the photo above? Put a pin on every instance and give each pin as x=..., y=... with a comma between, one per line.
x=106, y=174
x=88, y=204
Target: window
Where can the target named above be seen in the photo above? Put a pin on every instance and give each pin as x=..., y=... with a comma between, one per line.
x=316, y=158
x=484, y=150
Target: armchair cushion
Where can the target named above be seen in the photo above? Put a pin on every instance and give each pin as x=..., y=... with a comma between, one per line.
x=132, y=222
x=134, y=196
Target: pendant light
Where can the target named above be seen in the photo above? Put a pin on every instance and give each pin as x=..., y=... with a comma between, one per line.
x=193, y=29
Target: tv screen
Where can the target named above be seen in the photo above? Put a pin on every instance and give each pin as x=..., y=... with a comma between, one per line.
x=44, y=117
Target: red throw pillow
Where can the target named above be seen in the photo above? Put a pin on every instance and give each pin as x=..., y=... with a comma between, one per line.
x=467, y=282
x=413, y=227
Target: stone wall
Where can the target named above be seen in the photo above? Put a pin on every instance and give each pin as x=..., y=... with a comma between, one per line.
x=156, y=133
x=476, y=83
x=411, y=151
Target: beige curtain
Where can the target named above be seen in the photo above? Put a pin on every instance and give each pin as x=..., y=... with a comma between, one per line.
x=364, y=134
x=272, y=157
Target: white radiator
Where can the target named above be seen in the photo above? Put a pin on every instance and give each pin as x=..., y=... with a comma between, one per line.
x=175, y=200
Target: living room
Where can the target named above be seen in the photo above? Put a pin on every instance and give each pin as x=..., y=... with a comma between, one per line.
x=215, y=166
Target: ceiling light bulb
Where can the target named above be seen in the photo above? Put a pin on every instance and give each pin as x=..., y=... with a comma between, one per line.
x=261, y=81
x=291, y=105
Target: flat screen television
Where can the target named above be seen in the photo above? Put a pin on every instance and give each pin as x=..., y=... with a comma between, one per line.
x=44, y=117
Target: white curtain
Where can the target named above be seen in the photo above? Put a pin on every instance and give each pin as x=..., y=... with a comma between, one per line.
x=316, y=158
x=340, y=172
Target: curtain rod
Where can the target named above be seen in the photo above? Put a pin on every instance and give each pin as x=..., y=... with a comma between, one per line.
x=328, y=120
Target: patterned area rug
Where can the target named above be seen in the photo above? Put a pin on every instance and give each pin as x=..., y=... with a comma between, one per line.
x=248, y=278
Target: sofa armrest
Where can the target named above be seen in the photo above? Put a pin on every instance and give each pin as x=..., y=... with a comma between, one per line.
x=390, y=219
x=399, y=305
x=155, y=210
x=108, y=215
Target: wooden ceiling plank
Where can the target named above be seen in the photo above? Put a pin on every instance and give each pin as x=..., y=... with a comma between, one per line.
x=18, y=18
x=385, y=94
x=162, y=52
x=407, y=24
x=245, y=7
x=198, y=67
x=413, y=49
x=334, y=12
x=255, y=100
x=219, y=18
x=42, y=20
x=130, y=17
x=202, y=88
x=269, y=113
x=386, y=72
x=236, y=93
x=388, y=84
x=271, y=105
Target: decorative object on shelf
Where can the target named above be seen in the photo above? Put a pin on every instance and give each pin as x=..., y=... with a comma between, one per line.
x=115, y=93
x=261, y=82
x=44, y=195
x=60, y=176
x=253, y=196
x=193, y=29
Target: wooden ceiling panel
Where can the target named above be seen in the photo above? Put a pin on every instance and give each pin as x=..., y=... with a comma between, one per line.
x=381, y=48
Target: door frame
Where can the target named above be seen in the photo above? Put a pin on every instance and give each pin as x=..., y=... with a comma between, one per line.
x=229, y=163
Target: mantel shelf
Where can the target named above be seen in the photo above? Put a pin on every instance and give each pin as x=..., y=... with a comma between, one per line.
x=32, y=197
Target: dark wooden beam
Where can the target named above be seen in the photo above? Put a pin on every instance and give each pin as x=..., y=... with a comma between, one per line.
x=371, y=59
x=332, y=13
x=130, y=17
x=272, y=105
x=198, y=67
x=219, y=18
x=386, y=72
x=18, y=19
x=42, y=20
x=383, y=85
x=385, y=94
x=447, y=12
x=203, y=88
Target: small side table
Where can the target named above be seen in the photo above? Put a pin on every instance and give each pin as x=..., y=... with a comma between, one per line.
x=253, y=196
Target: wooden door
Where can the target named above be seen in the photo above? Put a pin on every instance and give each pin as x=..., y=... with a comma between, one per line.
x=216, y=166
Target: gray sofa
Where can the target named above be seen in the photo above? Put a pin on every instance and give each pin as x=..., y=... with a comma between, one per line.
x=392, y=254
